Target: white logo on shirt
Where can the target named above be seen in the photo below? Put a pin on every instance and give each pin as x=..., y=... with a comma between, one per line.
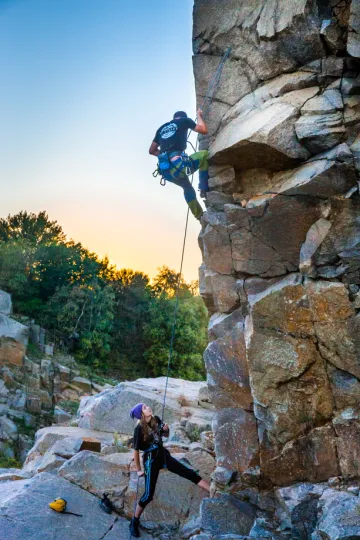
x=168, y=131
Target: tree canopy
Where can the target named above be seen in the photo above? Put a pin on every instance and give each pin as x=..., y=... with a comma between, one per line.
x=115, y=321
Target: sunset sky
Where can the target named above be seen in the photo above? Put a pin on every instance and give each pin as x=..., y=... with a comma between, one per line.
x=84, y=86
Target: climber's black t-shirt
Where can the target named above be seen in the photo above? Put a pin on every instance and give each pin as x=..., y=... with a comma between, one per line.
x=173, y=135
x=154, y=436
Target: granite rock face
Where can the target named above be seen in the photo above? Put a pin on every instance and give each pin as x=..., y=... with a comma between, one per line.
x=281, y=247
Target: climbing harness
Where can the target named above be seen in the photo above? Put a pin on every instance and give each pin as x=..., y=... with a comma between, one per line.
x=167, y=163
x=214, y=83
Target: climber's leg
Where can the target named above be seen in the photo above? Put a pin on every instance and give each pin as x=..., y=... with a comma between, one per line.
x=173, y=465
x=151, y=468
x=200, y=162
x=189, y=194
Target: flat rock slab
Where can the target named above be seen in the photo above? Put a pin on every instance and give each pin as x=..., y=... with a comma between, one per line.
x=120, y=531
x=60, y=432
x=25, y=512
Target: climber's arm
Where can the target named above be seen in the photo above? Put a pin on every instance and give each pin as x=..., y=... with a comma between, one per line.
x=154, y=149
x=201, y=127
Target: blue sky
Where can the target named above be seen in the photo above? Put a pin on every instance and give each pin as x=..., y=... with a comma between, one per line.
x=84, y=85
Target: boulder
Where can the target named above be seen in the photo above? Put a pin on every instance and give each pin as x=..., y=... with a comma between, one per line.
x=269, y=245
x=227, y=513
x=224, y=292
x=5, y=303
x=8, y=429
x=46, y=444
x=333, y=318
x=105, y=411
x=347, y=428
x=264, y=138
x=322, y=178
x=288, y=379
x=98, y=475
x=61, y=416
x=24, y=511
x=339, y=515
x=13, y=341
x=353, y=42
x=236, y=439
x=201, y=461
x=299, y=505
x=319, y=132
x=12, y=474
x=82, y=383
x=345, y=387
x=314, y=238
x=222, y=179
x=311, y=458
x=342, y=243
x=215, y=243
x=221, y=324
x=282, y=86
x=227, y=370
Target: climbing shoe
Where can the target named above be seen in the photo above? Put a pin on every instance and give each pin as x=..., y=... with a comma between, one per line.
x=195, y=208
x=134, y=527
x=106, y=504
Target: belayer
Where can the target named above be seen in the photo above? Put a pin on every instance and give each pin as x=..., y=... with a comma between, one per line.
x=174, y=164
x=148, y=438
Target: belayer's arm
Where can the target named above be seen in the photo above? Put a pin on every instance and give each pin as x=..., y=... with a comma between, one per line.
x=200, y=127
x=137, y=461
x=154, y=149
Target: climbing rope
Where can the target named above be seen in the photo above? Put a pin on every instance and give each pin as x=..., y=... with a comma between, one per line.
x=214, y=83
x=208, y=99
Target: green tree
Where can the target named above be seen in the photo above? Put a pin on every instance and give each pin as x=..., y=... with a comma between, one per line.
x=132, y=301
x=167, y=281
x=83, y=314
x=189, y=342
x=36, y=229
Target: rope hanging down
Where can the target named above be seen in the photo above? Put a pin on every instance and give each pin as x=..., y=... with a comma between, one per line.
x=206, y=104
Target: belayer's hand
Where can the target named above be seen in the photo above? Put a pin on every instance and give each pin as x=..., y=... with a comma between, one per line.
x=165, y=427
x=140, y=473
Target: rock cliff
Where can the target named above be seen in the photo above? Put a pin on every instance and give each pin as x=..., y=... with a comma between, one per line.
x=280, y=242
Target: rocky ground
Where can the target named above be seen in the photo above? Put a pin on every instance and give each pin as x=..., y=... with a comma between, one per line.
x=56, y=466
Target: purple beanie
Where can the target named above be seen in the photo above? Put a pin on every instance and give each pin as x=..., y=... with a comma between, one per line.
x=136, y=412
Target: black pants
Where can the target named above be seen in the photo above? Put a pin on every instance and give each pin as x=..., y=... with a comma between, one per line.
x=159, y=459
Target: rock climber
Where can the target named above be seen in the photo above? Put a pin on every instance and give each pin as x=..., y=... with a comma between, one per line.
x=174, y=164
x=148, y=438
